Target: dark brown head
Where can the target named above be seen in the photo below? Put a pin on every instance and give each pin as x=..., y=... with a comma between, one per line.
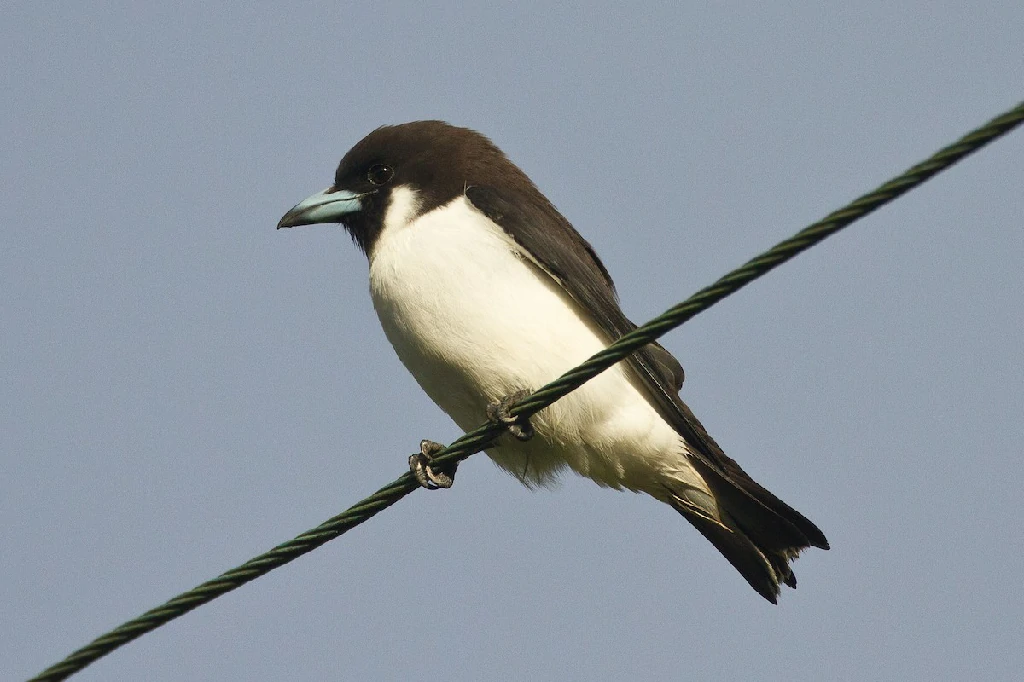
x=436, y=160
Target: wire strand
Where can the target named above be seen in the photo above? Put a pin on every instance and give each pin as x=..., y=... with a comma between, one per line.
x=478, y=439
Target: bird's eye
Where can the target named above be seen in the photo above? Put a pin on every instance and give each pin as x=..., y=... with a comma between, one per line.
x=379, y=174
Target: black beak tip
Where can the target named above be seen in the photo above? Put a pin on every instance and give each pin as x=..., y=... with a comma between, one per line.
x=289, y=220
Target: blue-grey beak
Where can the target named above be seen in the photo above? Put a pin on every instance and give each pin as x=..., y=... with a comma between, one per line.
x=328, y=206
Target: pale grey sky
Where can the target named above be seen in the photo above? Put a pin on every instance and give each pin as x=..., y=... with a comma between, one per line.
x=184, y=387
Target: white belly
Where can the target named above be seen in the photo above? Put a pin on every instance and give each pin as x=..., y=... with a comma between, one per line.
x=474, y=322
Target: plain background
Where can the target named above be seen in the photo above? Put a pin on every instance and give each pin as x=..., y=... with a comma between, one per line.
x=183, y=387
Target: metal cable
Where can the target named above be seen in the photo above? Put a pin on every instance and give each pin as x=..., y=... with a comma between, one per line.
x=480, y=438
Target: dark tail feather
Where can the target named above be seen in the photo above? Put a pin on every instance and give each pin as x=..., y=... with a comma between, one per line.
x=757, y=532
x=738, y=549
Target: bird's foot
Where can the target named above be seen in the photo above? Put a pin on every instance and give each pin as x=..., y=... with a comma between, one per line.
x=426, y=475
x=498, y=413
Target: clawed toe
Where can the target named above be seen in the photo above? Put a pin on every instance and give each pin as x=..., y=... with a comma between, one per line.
x=498, y=412
x=427, y=476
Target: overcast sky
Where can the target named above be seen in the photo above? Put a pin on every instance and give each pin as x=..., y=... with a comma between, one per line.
x=183, y=387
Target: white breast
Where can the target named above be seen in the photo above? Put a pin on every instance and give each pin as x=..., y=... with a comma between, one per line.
x=473, y=322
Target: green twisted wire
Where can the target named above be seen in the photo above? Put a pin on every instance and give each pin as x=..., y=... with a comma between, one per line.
x=480, y=438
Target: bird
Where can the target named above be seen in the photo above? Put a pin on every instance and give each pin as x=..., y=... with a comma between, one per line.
x=487, y=292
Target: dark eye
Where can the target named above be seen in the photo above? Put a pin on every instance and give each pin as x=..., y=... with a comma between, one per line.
x=379, y=174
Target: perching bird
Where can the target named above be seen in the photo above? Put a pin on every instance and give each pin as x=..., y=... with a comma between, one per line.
x=486, y=292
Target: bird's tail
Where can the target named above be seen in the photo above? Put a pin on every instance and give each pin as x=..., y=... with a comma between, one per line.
x=757, y=532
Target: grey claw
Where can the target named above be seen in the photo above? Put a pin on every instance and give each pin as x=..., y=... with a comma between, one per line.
x=425, y=475
x=498, y=412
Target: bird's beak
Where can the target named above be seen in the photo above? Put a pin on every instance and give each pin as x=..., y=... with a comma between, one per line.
x=328, y=206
